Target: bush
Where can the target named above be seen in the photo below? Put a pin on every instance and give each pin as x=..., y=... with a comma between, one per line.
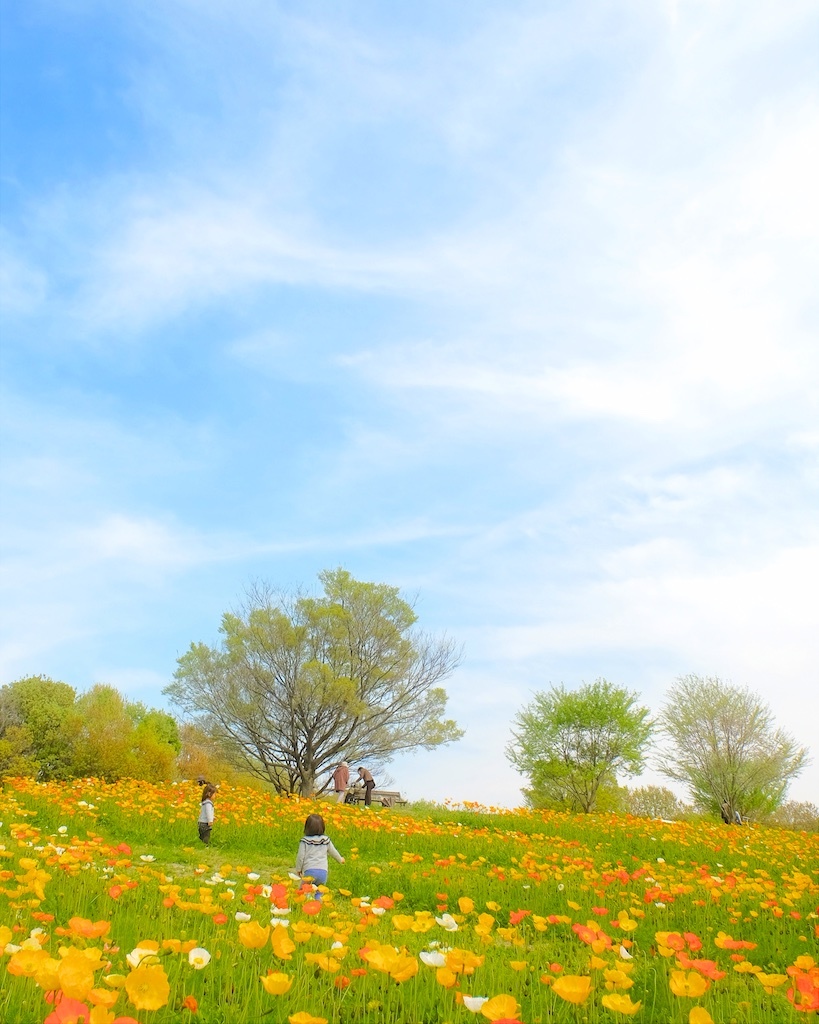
x=798, y=815
x=656, y=802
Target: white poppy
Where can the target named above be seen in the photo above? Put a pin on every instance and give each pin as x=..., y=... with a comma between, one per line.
x=141, y=955
x=432, y=958
x=474, y=1003
x=448, y=922
x=199, y=958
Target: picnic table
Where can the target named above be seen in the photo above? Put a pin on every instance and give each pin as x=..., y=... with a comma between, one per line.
x=384, y=797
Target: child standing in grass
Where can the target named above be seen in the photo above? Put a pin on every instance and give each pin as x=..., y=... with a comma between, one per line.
x=206, y=814
x=314, y=848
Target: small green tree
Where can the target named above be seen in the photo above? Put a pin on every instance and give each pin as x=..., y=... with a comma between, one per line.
x=721, y=743
x=113, y=738
x=39, y=706
x=571, y=742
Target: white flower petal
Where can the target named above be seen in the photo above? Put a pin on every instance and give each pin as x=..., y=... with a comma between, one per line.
x=199, y=958
x=474, y=1003
x=448, y=922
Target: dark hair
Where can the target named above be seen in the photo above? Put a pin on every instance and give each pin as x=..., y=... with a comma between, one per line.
x=314, y=826
x=208, y=792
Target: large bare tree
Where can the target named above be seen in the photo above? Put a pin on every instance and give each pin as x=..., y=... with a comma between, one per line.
x=299, y=683
x=720, y=741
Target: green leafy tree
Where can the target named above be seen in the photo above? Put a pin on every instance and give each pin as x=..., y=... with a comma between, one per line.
x=299, y=683
x=113, y=738
x=570, y=743
x=38, y=706
x=16, y=757
x=721, y=743
x=100, y=730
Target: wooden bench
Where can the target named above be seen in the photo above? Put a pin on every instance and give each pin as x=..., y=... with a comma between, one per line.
x=382, y=797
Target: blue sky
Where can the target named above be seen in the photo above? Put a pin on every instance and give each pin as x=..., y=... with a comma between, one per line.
x=511, y=306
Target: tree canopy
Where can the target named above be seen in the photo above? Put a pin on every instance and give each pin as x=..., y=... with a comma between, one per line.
x=49, y=731
x=722, y=744
x=570, y=743
x=33, y=715
x=299, y=683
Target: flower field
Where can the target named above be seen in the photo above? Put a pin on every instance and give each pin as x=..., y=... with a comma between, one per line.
x=112, y=912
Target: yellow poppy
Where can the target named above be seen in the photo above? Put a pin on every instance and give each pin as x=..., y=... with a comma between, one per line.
x=689, y=984
x=282, y=944
x=445, y=977
x=500, y=1008
x=252, y=935
x=276, y=983
x=573, y=988
x=620, y=1004
x=148, y=987
x=76, y=975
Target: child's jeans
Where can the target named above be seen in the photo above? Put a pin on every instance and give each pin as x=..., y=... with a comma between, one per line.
x=318, y=876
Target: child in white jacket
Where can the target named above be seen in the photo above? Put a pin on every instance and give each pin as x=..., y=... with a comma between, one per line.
x=314, y=848
x=206, y=814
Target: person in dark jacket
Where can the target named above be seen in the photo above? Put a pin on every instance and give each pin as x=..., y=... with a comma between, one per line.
x=369, y=785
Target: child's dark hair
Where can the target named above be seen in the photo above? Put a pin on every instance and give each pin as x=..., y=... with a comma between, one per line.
x=314, y=826
x=208, y=791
